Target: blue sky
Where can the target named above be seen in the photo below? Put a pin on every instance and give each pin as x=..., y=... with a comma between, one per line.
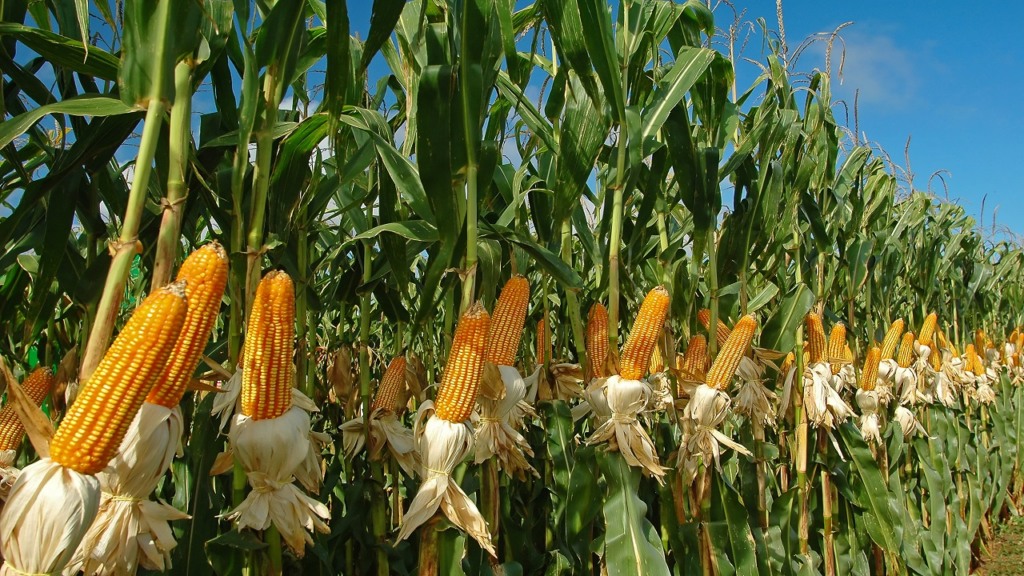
x=923, y=73
x=920, y=73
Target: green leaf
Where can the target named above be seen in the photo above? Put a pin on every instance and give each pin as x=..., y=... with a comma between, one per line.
x=779, y=331
x=632, y=545
x=689, y=65
x=85, y=105
x=66, y=52
x=417, y=230
x=871, y=490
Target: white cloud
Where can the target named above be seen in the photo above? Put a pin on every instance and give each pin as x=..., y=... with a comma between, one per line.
x=884, y=72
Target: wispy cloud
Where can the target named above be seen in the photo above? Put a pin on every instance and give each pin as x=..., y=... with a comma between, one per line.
x=884, y=71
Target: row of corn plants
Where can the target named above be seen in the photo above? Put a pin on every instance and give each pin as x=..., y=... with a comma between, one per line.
x=501, y=288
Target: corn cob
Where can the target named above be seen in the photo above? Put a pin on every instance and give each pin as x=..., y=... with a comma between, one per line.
x=107, y=402
x=507, y=322
x=970, y=356
x=390, y=385
x=729, y=356
x=980, y=342
x=636, y=354
x=657, y=360
x=935, y=359
x=787, y=364
x=36, y=386
x=815, y=338
x=461, y=379
x=696, y=361
x=869, y=375
x=837, y=346
x=597, y=340
x=721, y=334
x=205, y=273
x=270, y=342
x=543, y=344
x=928, y=329
x=905, y=356
x=892, y=339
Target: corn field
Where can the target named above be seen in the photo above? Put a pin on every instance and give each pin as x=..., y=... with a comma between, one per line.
x=503, y=287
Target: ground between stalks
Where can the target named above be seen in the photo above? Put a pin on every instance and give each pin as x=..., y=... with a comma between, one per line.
x=1007, y=551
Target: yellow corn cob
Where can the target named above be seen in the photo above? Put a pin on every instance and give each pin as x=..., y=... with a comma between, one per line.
x=507, y=322
x=971, y=356
x=721, y=334
x=695, y=360
x=892, y=339
x=980, y=342
x=543, y=345
x=869, y=375
x=1013, y=337
x=107, y=402
x=935, y=359
x=205, y=273
x=728, y=359
x=928, y=330
x=269, y=344
x=787, y=364
x=36, y=386
x=390, y=385
x=815, y=339
x=905, y=356
x=657, y=360
x=636, y=354
x=461, y=379
x=1020, y=339
x=597, y=340
x=837, y=346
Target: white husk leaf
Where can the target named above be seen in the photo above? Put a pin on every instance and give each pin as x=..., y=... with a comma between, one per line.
x=754, y=400
x=594, y=402
x=226, y=403
x=386, y=431
x=130, y=530
x=8, y=472
x=442, y=445
x=495, y=434
x=868, y=402
x=45, y=518
x=825, y=407
x=908, y=422
x=271, y=451
x=626, y=399
x=701, y=418
x=568, y=380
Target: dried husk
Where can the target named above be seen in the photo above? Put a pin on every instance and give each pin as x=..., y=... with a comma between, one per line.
x=825, y=407
x=386, y=431
x=701, y=418
x=867, y=401
x=442, y=446
x=626, y=399
x=753, y=400
x=130, y=530
x=272, y=451
x=45, y=518
x=495, y=434
x=908, y=422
